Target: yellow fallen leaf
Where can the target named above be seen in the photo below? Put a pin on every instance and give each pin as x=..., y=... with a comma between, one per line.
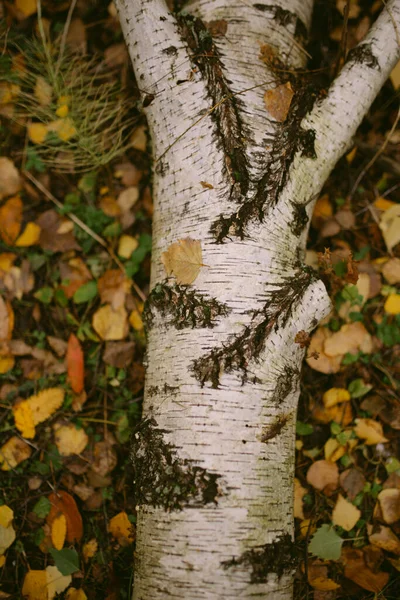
x=369, y=430
x=351, y=155
x=8, y=92
x=24, y=419
x=45, y=403
x=335, y=396
x=110, y=324
x=333, y=450
x=64, y=128
x=37, y=132
x=6, y=515
x=75, y=594
x=121, y=529
x=345, y=514
x=13, y=452
x=7, y=537
x=89, y=549
x=30, y=236
x=390, y=226
x=299, y=493
x=6, y=364
x=392, y=304
x=323, y=475
x=324, y=584
x=43, y=91
x=383, y=203
x=35, y=586
x=184, y=260
x=59, y=531
x=384, y=538
x=10, y=181
x=136, y=320
x=56, y=582
x=26, y=7
x=63, y=100
x=6, y=261
x=62, y=111
x=127, y=244
x=69, y=439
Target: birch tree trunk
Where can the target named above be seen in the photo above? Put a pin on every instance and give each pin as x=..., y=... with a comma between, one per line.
x=214, y=455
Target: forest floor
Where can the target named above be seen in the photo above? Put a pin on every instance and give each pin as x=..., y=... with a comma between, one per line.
x=75, y=242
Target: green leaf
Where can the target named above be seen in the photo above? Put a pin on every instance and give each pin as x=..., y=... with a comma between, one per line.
x=326, y=543
x=133, y=264
x=42, y=507
x=362, y=253
x=304, y=428
x=358, y=388
x=44, y=294
x=66, y=560
x=335, y=428
x=392, y=465
x=87, y=183
x=350, y=359
x=86, y=292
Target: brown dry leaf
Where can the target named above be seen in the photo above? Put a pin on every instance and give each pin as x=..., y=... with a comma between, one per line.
x=62, y=502
x=109, y=206
x=54, y=235
x=121, y=529
x=43, y=91
x=352, y=482
x=335, y=396
x=69, y=439
x=19, y=280
x=59, y=531
x=351, y=338
x=58, y=345
x=119, y=354
x=299, y=493
x=10, y=181
x=356, y=570
x=278, y=101
x=6, y=320
x=89, y=549
x=317, y=574
x=116, y=55
x=56, y=582
x=105, y=458
x=369, y=430
x=35, y=586
x=183, y=259
x=113, y=287
x=138, y=139
x=128, y=174
x=395, y=76
x=74, y=274
x=383, y=537
x=345, y=514
x=7, y=532
x=316, y=357
x=324, y=476
x=13, y=452
x=10, y=220
x=389, y=501
x=29, y=237
x=110, y=324
x=76, y=38
x=83, y=491
x=128, y=198
x=391, y=271
x=390, y=226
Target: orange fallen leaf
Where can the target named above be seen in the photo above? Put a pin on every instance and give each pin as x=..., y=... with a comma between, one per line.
x=10, y=220
x=64, y=503
x=183, y=259
x=356, y=570
x=75, y=364
x=121, y=529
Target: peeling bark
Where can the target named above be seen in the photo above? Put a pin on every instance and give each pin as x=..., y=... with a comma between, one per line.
x=222, y=381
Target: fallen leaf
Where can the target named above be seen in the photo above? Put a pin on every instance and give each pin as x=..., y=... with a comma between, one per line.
x=128, y=198
x=110, y=324
x=75, y=594
x=105, y=458
x=10, y=220
x=395, y=76
x=136, y=321
x=351, y=338
x=29, y=237
x=43, y=91
x=52, y=235
x=121, y=529
x=335, y=396
x=113, y=287
x=63, y=128
x=7, y=533
x=59, y=531
x=383, y=537
x=369, y=430
x=391, y=271
x=390, y=226
x=10, y=181
x=323, y=475
x=278, y=101
x=127, y=244
x=316, y=357
x=183, y=259
x=89, y=549
x=76, y=38
x=333, y=450
x=58, y=345
x=345, y=514
x=26, y=7
x=56, y=582
x=317, y=574
x=13, y=452
x=119, y=354
x=6, y=261
x=36, y=409
x=69, y=439
x=24, y=420
x=62, y=502
x=392, y=304
x=356, y=570
x=75, y=364
x=326, y=543
x=35, y=585
x=128, y=173
x=299, y=493
x=19, y=280
x=138, y=138
x=389, y=501
x=74, y=274
x=37, y=132
x=352, y=482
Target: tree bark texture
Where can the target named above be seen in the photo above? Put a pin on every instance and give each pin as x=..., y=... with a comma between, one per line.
x=214, y=455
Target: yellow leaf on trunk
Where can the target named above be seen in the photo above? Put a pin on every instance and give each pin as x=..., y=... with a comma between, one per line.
x=183, y=259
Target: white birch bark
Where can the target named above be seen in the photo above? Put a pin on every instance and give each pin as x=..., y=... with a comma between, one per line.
x=223, y=399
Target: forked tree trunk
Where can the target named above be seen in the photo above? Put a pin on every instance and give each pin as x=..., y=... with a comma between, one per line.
x=214, y=456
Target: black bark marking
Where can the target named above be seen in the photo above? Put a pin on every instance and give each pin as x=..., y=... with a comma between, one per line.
x=163, y=479
x=248, y=345
x=278, y=557
x=153, y=390
x=285, y=18
x=363, y=55
x=170, y=51
x=229, y=127
x=300, y=219
x=186, y=307
x=284, y=384
x=275, y=428
x=289, y=139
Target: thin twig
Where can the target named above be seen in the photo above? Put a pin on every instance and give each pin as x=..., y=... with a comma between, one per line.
x=64, y=34
x=85, y=228
x=375, y=157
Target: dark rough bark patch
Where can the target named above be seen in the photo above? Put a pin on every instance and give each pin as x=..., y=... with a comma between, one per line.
x=363, y=54
x=186, y=307
x=247, y=346
x=284, y=384
x=279, y=557
x=153, y=390
x=289, y=139
x=300, y=219
x=275, y=428
x=163, y=479
x=229, y=127
x=285, y=18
